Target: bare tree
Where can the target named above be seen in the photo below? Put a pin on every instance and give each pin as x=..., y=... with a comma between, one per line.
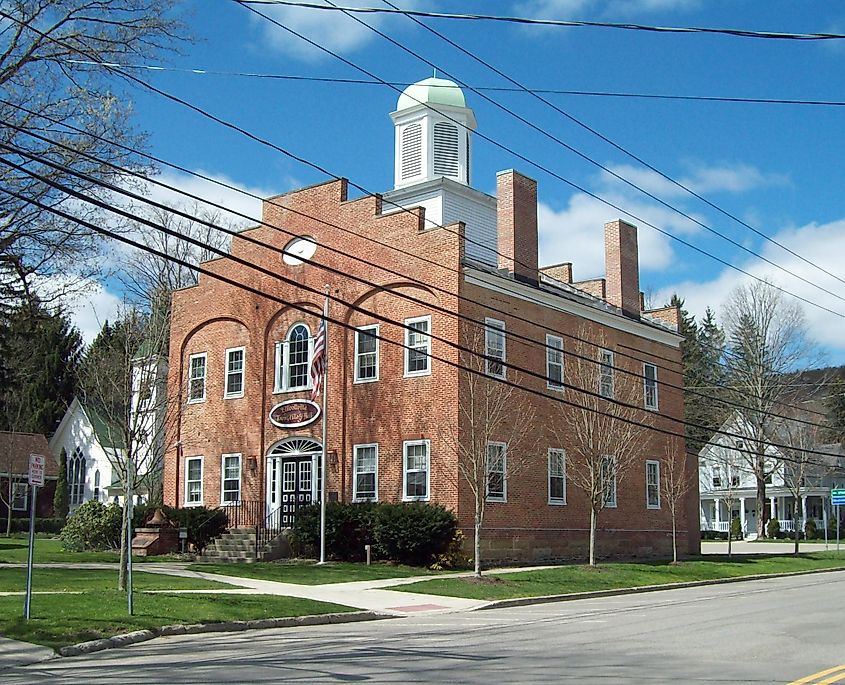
x=767, y=341
x=124, y=380
x=496, y=436
x=675, y=484
x=49, y=50
x=728, y=470
x=607, y=432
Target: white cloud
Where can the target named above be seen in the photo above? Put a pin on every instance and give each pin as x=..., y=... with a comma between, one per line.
x=569, y=9
x=93, y=308
x=820, y=244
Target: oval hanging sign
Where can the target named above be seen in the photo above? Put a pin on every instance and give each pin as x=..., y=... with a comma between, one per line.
x=294, y=413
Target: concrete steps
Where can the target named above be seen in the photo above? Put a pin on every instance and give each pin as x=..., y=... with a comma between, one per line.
x=238, y=545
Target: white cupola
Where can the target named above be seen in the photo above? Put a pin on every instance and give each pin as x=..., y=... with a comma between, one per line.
x=433, y=126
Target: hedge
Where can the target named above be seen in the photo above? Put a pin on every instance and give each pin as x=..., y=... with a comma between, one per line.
x=42, y=525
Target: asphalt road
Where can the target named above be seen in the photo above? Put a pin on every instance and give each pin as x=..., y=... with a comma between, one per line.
x=772, y=631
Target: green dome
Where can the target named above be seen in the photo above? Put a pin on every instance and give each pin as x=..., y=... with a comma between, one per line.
x=431, y=91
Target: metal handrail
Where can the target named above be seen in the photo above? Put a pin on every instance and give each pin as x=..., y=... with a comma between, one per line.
x=270, y=528
x=243, y=514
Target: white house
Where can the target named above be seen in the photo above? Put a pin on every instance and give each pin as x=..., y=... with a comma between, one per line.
x=728, y=487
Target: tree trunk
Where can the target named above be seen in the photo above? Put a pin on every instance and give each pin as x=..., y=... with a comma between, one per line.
x=592, y=536
x=795, y=531
x=124, y=551
x=730, y=538
x=674, y=541
x=479, y=516
x=761, y=506
x=9, y=508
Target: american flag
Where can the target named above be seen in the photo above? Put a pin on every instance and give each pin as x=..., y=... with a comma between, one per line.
x=318, y=361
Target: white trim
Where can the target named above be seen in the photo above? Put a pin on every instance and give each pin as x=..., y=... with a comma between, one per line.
x=496, y=325
x=370, y=327
x=223, y=479
x=405, y=445
x=233, y=395
x=559, y=303
x=551, y=341
x=504, y=496
x=657, y=484
x=204, y=356
x=427, y=370
x=355, y=450
x=201, y=459
x=558, y=501
x=655, y=406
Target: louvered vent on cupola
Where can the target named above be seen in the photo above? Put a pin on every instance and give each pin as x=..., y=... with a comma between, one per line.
x=445, y=149
x=411, y=151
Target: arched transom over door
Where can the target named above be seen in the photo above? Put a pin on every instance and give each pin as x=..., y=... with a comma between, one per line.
x=291, y=465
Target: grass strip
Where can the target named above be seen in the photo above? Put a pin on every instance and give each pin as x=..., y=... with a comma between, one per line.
x=608, y=576
x=59, y=620
x=14, y=550
x=309, y=573
x=74, y=580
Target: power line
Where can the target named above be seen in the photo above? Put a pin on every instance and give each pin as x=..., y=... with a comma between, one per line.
x=568, y=182
x=203, y=71
x=739, y=33
x=343, y=324
x=116, y=189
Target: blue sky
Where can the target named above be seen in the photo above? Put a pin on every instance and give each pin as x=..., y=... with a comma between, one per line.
x=776, y=167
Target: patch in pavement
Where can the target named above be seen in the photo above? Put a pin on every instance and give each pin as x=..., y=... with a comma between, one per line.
x=418, y=607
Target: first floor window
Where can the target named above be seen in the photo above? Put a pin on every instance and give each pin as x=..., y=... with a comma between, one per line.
x=608, y=480
x=606, y=373
x=365, y=467
x=494, y=347
x=19, y=496
x=235, y=372
x=650, y=386
x=97, y=485
x=496, y=472
x=652, y=484
x=418, y=346
x=231, y=479
x=193, y=480
x=557, y=476
x=366, y=354
x=76, y=477
x=554, y=362
x=416, y=460
x=196, y=377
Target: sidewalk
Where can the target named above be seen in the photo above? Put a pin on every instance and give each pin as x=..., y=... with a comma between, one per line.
x=14, y=653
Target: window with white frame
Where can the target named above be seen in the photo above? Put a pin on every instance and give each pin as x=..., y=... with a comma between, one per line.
x=717, y=477
x=606, y=373
x=97, y=485
x=230, y=479
x=415, y=470
x=196, y=377
x=554, y=362
x=365, y=469
x=608, y=480
x=650, y=386
x=497, y=482
x=557, y=476
x=293, y=359
x=193, y=481
x=76, y=477
x=652, y=484
x=494, y=347
x=20, y=499
x=418, y=346
x=366, y=354
x=235, y=358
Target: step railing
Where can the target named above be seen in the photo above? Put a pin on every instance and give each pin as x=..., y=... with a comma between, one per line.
x=243, y=514
x=269, y=529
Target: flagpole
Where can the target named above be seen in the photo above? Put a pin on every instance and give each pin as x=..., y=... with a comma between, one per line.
x=325, y=426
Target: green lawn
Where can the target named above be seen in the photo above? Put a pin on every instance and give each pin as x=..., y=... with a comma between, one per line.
x=309, y=573
x=14, y=550
x=74, y=580
x=58, y=620
x=570, y=579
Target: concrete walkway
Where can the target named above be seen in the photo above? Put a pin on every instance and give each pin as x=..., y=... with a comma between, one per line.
x=741, y=547
x=14, y=653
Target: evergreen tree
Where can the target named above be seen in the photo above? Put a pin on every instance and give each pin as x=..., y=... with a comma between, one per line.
x=41, y=351
x=835, y=405
x=60, y=498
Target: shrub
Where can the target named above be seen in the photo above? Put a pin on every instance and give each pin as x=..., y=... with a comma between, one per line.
x=93, y=526
x=810, y=529
x=773, y=529
x=203, y=524
x=348, y=528
x=454, y=557
x=736, y=528
x=413, y=533
x=42, y=525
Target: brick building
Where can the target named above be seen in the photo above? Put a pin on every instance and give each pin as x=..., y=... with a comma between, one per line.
x=429, y=251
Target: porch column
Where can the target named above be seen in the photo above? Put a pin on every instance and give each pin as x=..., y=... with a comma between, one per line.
x=718, y=511
x=824, y=514
x=772, y=512
x=804, y=508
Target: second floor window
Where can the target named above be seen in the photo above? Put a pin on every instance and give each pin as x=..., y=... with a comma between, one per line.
x=366, y=354
x=554, y=362
x=494, y=347
x=196, y=377
x=418, y=346
x=235, y=372
x=293, y=359
x=650, y=386
x=606, y=373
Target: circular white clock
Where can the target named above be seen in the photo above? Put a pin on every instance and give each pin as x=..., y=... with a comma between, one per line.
x=298, y=250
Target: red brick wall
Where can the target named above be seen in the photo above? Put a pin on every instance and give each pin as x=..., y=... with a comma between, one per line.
x=622, y=266
x=516, y=225
x=560, y=272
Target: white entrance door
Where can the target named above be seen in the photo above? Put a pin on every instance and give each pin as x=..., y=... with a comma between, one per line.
x=290, y=483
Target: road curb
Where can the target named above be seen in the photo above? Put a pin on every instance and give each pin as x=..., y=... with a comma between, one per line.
x=137, y=636
x=547, y=599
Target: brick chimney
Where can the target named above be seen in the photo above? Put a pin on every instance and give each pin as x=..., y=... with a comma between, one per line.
x=516, y=224
x=622, y=267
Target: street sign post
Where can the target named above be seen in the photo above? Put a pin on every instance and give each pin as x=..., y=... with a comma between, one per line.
x=36, y=480
x=837, y=498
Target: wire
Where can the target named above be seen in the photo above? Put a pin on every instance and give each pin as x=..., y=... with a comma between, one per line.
x=568, y=182
x=740, y=33
x=339, y=322
x=117, y=189
x=202, y=71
